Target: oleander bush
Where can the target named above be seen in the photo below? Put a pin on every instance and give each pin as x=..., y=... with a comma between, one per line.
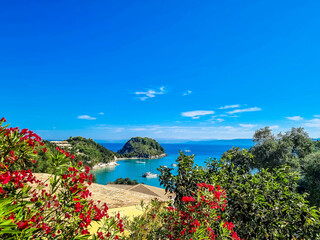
x=202, y=216
x=58, y=209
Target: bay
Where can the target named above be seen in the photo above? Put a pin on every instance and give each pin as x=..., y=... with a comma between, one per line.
x=133, y=168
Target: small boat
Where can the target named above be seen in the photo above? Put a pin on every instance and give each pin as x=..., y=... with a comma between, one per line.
x=174, y=165
x=141, y=162
x=150, y=175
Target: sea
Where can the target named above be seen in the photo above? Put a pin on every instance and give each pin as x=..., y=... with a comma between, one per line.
x=135, y=168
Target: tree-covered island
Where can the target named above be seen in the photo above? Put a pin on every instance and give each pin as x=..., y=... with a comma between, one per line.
x=142, y=147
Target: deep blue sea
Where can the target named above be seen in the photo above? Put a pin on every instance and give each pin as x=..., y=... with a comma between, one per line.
x=134, y=170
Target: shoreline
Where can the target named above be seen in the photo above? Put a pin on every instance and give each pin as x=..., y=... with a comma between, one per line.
x=114, y=163
x=137, y=158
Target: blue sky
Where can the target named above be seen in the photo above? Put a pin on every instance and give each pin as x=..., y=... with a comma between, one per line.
x=175, y=70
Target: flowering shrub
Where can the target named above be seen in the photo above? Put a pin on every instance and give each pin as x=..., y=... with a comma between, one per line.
x=200, y=217
x=59, y=209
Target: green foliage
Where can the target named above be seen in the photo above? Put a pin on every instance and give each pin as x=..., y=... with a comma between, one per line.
x=239, y=157
x=266, y=205
x=317, y=145
x=125, y=181
x=44, y=162
x=302, y=143
x=90, y=152
x=141, y=148
x=262, y=206
x=6, y=210
x=185, y=182
x=272, y=151
x=311, y=180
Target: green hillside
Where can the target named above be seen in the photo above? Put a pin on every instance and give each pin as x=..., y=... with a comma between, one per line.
x=90, y=152
x=141, y=147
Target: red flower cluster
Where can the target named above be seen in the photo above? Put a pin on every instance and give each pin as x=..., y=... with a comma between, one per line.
x=187, y=199
x=201, y=217
x=61, y=210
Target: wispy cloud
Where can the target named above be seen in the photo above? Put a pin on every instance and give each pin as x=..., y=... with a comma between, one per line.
x=230, y=106
x=220, y=120
x=295, y=118
x=247, y=125
x=274, y=127
x=317, y=116
x=177, y=132
x=188, y=92
x=86, y=117
x=313, y=123
x=149, y=94
x=197, y=114
x=101, y=113
x=214, y=119
x=253, y=109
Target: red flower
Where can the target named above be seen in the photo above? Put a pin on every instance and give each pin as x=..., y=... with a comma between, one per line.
x=6, y=180
x=187, y=199
x=3, y=120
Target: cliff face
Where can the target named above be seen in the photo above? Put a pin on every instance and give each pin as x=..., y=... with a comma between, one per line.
x=139, y=147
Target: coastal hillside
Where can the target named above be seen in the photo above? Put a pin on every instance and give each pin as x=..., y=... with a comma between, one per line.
x=90, y=152
x=142, y=147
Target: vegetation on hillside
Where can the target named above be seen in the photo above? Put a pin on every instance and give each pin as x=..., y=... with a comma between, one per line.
x=141, y=147
x=90, y=152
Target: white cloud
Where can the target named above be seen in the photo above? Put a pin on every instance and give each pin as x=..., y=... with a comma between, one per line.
x=86, y=117
x=188, y=92
x=197, y=114
x=101, y=113
x=230, y=106
x=317, y=116
x=313, y=123
x=274, y=127
x=247, y=125
x=253, y=109
x=295, y=118
x=220, y=120
x=150, y=94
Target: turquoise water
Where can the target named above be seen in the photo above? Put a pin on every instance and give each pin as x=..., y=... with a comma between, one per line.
x=134, y=170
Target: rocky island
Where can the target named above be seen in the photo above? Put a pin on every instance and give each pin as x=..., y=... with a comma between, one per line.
x=142, y=148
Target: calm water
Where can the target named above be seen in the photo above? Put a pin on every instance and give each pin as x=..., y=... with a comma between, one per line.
x=134, y=170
